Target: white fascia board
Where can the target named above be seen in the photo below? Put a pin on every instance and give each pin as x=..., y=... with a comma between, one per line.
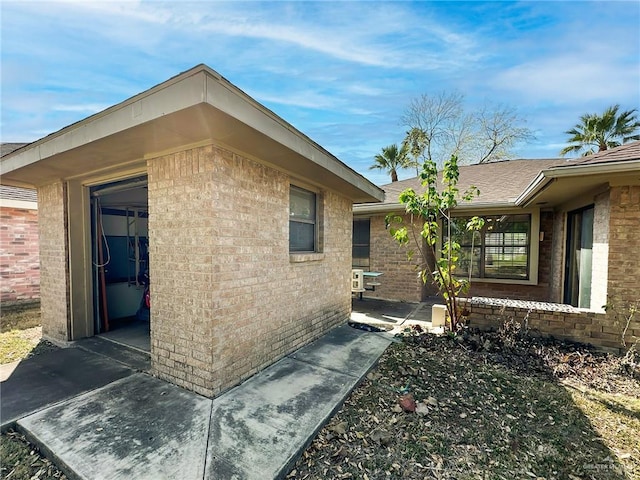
x=376, y=208
x=548, y=175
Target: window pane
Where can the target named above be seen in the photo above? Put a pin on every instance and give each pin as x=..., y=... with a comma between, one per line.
x=360, y=244
x=506, y=252
x=501, y=249
x=301, y=237
x=302, y=205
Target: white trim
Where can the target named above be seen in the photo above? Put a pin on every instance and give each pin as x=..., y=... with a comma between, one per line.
x=22, y=204
x=534, y=248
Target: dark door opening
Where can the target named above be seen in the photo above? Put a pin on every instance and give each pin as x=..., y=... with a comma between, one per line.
x=120, y=241
x=578, y=263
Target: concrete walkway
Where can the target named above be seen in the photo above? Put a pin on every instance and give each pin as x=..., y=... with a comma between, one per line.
x=127, y=424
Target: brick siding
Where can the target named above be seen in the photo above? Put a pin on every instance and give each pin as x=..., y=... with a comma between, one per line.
x=227, y=300
x=400, y=275
x=624, y=243
x=54, y=271
x=19, y=260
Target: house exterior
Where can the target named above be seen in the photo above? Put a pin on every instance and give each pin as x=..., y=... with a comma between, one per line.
x=243, y=223
x=556, y=232
x=19, y=262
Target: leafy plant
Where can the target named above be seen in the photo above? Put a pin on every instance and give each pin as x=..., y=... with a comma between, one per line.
x=431, y=207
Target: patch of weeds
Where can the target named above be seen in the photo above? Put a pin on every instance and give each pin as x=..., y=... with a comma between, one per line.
x=22, y=461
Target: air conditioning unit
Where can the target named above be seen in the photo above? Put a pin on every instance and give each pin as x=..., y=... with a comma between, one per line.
x=357, y=281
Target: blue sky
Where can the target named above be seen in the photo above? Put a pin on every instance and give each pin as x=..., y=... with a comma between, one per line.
x=341, y=72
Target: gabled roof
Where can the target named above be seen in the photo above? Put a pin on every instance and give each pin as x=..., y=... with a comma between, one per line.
x=523, y=183
x=194, y=108
x=500, y=183
x=7, y=148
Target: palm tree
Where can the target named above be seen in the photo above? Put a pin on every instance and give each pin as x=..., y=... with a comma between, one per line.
x=392, y=159
x=604, y=131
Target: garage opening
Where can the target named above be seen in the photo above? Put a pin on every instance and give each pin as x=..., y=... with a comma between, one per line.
x=120, y=256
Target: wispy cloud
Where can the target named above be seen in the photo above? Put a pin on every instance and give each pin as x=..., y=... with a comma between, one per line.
x=342, y=72
x=83, y=108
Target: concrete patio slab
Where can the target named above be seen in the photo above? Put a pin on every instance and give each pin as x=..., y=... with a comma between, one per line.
x=345, y=350
x=52, y=377
x=144, y=428
x=138, y=427
x=259, y=429
x=132, y=357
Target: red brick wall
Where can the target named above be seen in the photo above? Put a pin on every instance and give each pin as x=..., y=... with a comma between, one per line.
x=19, y=260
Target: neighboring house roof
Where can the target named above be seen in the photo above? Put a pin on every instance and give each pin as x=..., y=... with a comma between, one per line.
x=196, y=107
x=525, y=183
x=500, y=183
x=7, y=148
x=18, y=197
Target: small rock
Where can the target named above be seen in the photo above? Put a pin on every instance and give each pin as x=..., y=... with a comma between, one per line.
x=422, y=408
x=407, y=403
x=432, y=401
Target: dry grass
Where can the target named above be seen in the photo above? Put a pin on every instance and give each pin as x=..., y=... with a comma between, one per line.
x=20, y=332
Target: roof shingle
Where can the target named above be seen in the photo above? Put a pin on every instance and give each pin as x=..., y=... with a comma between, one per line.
x=499, y=182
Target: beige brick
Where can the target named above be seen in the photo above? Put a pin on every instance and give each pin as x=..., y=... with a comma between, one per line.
x=227, y=299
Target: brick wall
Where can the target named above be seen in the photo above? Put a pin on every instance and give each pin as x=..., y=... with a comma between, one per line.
x=400, y=277
x=19, y=261
x=624, y=243
x=227, y=299
x=54, y=270
x=560, y=321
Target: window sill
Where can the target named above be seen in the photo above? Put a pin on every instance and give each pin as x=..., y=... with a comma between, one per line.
x=305, y=257
x=502, y=281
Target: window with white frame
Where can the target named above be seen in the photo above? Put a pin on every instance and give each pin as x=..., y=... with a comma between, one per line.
x=501, y=250
x=303, y=220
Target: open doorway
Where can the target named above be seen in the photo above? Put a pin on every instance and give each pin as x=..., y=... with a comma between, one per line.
x=120, y=256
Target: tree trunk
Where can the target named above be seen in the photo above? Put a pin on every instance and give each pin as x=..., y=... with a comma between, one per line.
x=394, y=175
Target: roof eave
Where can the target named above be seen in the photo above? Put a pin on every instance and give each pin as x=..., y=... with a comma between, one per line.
x=378, y=208
x=189, y=91
x=549, y=175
